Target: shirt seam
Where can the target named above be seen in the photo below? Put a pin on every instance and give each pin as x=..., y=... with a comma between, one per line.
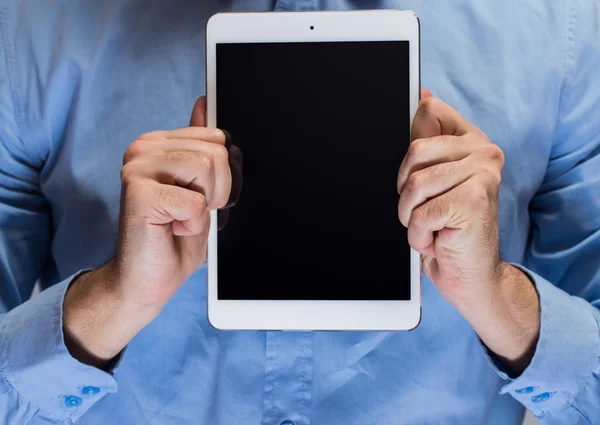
x=14, y=80
x=581, y=415
x=582, y=383
x=568, y=65
x=304, y=348
x=29, y=402
x=46, y=408
x=567, y=69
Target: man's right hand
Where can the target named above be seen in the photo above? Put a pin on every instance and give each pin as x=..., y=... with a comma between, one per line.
x=170, y=181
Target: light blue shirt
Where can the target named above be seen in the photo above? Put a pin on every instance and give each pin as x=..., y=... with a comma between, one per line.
x=80, y=80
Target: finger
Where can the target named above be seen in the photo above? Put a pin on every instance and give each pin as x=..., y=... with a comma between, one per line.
x=198, y=118
x=430, y=182
x=436, y=118
x=211, y=135
x=228, y=172
x=455, y=210
x=166, y=204
x=236, y=162
x=203, y=170
x=197, y=227
x=213, y=162
x=430, y=267
x=425, y=153
x=194, y=247
x=425, y=93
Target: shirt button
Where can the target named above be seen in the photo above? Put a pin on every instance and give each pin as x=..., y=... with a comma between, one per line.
x=526, y=390
x=72, y=401
x=287, y=422
x=541, y=397
x=90, y=390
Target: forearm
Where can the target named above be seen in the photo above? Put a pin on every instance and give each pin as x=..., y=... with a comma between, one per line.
x=508, y=319
x=97, y=322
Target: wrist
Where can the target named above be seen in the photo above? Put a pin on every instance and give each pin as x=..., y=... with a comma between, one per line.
x=508, y=319
x=97, y=322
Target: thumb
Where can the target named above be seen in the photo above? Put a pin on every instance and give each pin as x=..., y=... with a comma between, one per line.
x=198, y=118
x=425, y=93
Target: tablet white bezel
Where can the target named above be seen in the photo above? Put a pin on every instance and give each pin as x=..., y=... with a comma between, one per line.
x=377, y=25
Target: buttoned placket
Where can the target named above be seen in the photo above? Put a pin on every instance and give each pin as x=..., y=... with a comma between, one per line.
x=288, y=378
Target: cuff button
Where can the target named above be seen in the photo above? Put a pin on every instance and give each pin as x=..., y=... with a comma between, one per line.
x=72, y=401
x=526, y=390
x=541, y=397
x=90, y=390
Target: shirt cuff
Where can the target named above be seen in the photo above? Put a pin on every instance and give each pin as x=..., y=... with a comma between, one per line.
x=566, y=354
x=36, y=363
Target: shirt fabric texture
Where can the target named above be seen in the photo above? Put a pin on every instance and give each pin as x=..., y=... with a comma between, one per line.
x=80, y=80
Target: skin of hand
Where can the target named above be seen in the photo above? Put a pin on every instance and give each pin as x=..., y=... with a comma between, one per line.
x=170, y=181
x=448, y=183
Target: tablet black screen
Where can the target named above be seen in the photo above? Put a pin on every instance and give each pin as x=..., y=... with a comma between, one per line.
x=323, y=128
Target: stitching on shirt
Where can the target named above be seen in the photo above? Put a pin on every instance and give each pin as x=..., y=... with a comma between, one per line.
x=56, y=318
x=275, y=370
x=581, y=382
x=13, y=76
x=27, y=401
x=587, y=421
x=3, y=375
x=66, y=421
x=270, y=376
x=266, y=395
x=568, y=68
x=303, y=390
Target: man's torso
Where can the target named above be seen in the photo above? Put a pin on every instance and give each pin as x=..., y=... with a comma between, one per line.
x=95, y=75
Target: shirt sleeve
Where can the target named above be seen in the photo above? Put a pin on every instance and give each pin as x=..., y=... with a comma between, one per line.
x=40, y=383
x=562, y=383
x=42, y=377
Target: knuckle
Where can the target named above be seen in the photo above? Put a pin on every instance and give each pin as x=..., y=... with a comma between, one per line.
x=132, y=190
x=151, y=135
x=135, y=149
x=478, y=198
x=415, y=150
x=414, y=182
x=198, y=201
x=127, y=172
x=493, y=174
x=205, y=163
x=494, y=152
x=497, y=178
x=418, y=217
x=221, y=153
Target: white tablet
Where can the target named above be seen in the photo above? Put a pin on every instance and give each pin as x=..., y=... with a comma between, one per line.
x=319, y=106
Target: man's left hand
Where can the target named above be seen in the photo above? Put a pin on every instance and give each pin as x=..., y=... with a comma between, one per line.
x=448, y=185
